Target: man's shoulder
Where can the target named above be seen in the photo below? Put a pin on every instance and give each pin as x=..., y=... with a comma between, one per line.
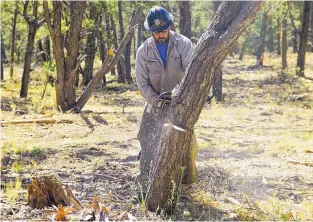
x=145, y=44
x=180, y=39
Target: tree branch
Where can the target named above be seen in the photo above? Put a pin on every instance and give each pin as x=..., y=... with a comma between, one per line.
x=47, y=18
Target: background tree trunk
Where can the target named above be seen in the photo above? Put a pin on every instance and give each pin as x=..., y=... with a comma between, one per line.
x=43, y=53
x=13, y=42
x=270, y=39
x=185, y=18
x=66, y=66
x=139, y=34
x=32, y=29
x=91, y=44
x=260, y=50
x=121, y=73
x=187, y=103
x=218, y=81
x=303, y=38
x=108, y=26
x=311, y=48
x=47, y=47
x=3, y=57
x=284, y=43
x=278, y=37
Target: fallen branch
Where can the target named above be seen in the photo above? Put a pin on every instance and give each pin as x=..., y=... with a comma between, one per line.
x=298, y=162
x=46, y=121
x=72, y=198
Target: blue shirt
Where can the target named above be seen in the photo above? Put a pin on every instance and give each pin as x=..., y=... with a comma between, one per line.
x=162, y=51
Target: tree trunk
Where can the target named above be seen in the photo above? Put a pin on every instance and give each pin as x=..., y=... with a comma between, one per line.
x=228, y=24
x=218, y=81
x=139, y=34
x=102, y=49
x=66, y=65
x=260, y=50
x=294, y=41
x=18, y=49
x=303, y=38
x=13, y=42
x=43, y=53
x=32, y=29
x=311, y=48
x=185, y=18
x=278, y=37
x=108, y=27
x=121, y=73
x=270, y=39
x=218, y=86
x=3, y=57
x=91, y=45
x=47, y=47
x=284, y=43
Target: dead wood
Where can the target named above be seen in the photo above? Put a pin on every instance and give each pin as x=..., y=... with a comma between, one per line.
x=72, y=198
x=44, y=121
x=46, y=191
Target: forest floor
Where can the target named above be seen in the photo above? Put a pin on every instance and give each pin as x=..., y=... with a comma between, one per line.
x=255, y=159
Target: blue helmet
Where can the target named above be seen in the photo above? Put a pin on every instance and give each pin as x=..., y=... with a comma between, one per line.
x=158, y=19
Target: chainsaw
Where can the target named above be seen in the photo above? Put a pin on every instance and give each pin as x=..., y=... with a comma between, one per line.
x=161, y=104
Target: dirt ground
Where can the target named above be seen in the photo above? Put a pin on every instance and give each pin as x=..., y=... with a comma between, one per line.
x=255, y=159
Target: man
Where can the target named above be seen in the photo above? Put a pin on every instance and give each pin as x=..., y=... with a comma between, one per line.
x=160, y=65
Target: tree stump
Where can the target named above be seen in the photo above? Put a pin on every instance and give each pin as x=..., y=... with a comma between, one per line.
x=46, y=191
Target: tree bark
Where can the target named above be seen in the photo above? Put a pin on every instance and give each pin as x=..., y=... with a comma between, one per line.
x=270, y=39
x=90, y=50
x=66, y=65
x=121, y=73
x=228, y=24
x=3, y=57
x=311, y=48
x=13, y=42
x=139, y=34
x=47, y=47
x=284, y=43
x=218, y=81
x=33, y=25
x=108, y=26
x=185, y=18
x=278, y=37
x=260, y=50
x=303, y=39
x=43, y=53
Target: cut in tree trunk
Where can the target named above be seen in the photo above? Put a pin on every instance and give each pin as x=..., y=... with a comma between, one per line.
x=185, y=18
x=303, y=38
x=284, y=43
x=13, y=42
x=229, y=22
x=278, y=37
x=270, y=39
x=260, y=50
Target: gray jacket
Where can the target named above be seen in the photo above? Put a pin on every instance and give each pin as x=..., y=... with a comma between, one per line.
x=151, y=76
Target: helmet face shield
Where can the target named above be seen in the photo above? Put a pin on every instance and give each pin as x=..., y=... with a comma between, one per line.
x=158, y=19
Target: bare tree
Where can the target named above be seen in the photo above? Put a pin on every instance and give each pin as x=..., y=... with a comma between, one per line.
x=229, y=22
